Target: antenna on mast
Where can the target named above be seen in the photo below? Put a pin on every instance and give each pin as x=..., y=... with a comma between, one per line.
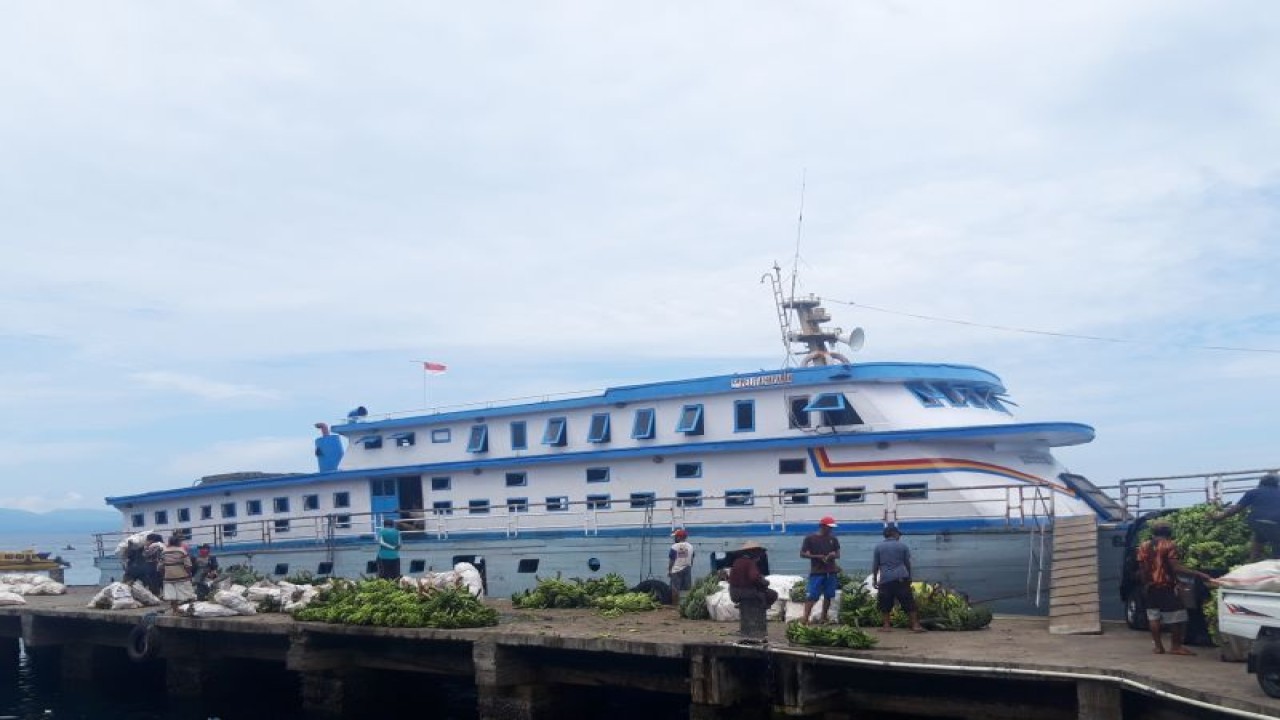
x=795, y=261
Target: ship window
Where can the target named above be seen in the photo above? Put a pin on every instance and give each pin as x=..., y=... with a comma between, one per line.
x=252, y=507
x=206, y=512
x=382, y=487
x=851, y=494
x=599, y=430
x=797, y=417
x=791, y=466
x=281, y=569
x=517, y=479
x=518, y=504
x=137, y=519
x=519, y=435
x=162, y=517
x=442, y=507
x=643, y=499
x=690, y=420
x=688, y=498
x=847, y=416
x=280, y=505
x=744, y=415
x=911, y=491
x=973, y=397
x=527, y=565
x=795, y=496
x=479, y=441
x=597, y=474
x=310, y=502
x=184, y=532
x=443, y=482
x=739, y=498
x=952, y=394
x=184, y=514
x=835, y=409
x=324, y=568
x=342, y=522
x=598, y=502
x=478, y=507
x=404, y=439
x=555, y=432
x=689, y=470
x=228, y=510
x=827, y=401
x=643, y=427
x=282, y=526
x=371, y=442
x=342, y=499
x=371, y=567
x=927, y=394
x=229, y=530
x=558, y=503
x=417, y=566
x=441, y=435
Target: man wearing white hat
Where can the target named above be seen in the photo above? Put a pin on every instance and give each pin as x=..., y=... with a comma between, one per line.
x=823, y=549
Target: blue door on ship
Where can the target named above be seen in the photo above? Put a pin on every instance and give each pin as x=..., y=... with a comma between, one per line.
x=385, y=496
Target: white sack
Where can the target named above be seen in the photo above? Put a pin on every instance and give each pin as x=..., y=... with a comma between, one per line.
x=48, y=587
x=720, y=607
x=782, y=585
x=235, y=602
x=122, y=597
x=1260, y=576
x=139, y=592
x=300, y=598
x=795, y=610
x=9, y=598
x=259, y=592
x=470, y=577
x=137, y=540
x=209, y=610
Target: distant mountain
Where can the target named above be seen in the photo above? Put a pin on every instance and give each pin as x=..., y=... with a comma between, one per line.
x=56, y=521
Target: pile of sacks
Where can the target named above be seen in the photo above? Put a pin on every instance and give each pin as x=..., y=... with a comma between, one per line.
x=226, y=599
x=722, y=608
x=123, y=596
x=462, y=574
x=1260, y=577
x=13, y=586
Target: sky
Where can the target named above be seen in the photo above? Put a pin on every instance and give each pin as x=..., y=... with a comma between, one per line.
x=222, y=222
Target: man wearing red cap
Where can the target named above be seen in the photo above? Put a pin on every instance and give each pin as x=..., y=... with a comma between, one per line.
x=823, y=549
x=680, y=565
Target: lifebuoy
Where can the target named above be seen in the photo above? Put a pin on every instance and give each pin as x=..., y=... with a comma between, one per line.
x=143, y=643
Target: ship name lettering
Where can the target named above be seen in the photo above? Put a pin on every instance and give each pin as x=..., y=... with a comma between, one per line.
x=760, y=380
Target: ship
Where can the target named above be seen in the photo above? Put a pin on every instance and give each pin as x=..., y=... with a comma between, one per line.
x=584, y=484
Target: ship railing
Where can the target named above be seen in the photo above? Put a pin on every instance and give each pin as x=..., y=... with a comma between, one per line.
x=1010, y=505
x=1144, y=494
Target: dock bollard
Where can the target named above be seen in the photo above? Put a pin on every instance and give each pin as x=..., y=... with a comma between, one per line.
x=751, y=619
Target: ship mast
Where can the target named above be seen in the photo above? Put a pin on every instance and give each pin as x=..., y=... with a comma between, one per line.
x=819, y=343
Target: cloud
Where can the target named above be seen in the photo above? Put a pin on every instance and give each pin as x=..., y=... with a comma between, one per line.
x=201, y=387
x=265, y=454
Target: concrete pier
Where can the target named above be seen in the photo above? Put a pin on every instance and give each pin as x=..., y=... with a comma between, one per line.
x=542, y=664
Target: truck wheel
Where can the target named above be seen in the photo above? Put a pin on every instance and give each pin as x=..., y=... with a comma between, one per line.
x=1135, y=613
x=1267, y=651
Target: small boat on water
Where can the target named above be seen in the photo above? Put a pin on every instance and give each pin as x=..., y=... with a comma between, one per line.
x=28, y=560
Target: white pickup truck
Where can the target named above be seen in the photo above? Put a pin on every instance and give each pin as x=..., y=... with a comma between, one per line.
x=1254, y=615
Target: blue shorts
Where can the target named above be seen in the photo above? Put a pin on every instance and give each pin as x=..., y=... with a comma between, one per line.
x=822, y=584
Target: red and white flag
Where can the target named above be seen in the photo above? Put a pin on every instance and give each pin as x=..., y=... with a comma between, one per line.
x=434, y=368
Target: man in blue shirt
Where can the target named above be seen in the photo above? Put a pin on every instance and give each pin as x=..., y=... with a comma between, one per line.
x=891, y=574
x=388, y=559
x=1263, y=504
